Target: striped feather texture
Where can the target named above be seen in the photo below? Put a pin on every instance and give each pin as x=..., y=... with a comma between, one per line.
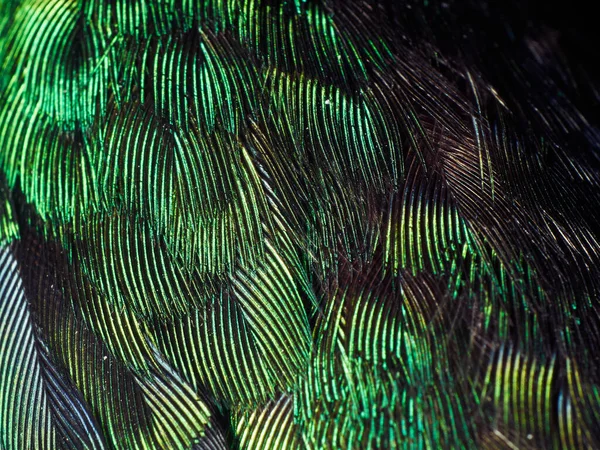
x=290, y=224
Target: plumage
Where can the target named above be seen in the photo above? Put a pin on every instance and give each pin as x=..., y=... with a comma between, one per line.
x=276, y=224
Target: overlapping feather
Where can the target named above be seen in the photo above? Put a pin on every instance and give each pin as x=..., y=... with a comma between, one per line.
x=276, y=224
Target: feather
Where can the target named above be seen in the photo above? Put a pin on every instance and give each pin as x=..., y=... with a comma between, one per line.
x=272, y=224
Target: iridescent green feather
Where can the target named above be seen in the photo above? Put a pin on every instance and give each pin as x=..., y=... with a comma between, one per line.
x=272, y=224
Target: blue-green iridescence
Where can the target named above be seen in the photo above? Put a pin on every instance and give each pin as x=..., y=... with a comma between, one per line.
x=279, y=225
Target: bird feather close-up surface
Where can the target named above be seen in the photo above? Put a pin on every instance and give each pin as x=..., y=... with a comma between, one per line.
x=307, y=224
